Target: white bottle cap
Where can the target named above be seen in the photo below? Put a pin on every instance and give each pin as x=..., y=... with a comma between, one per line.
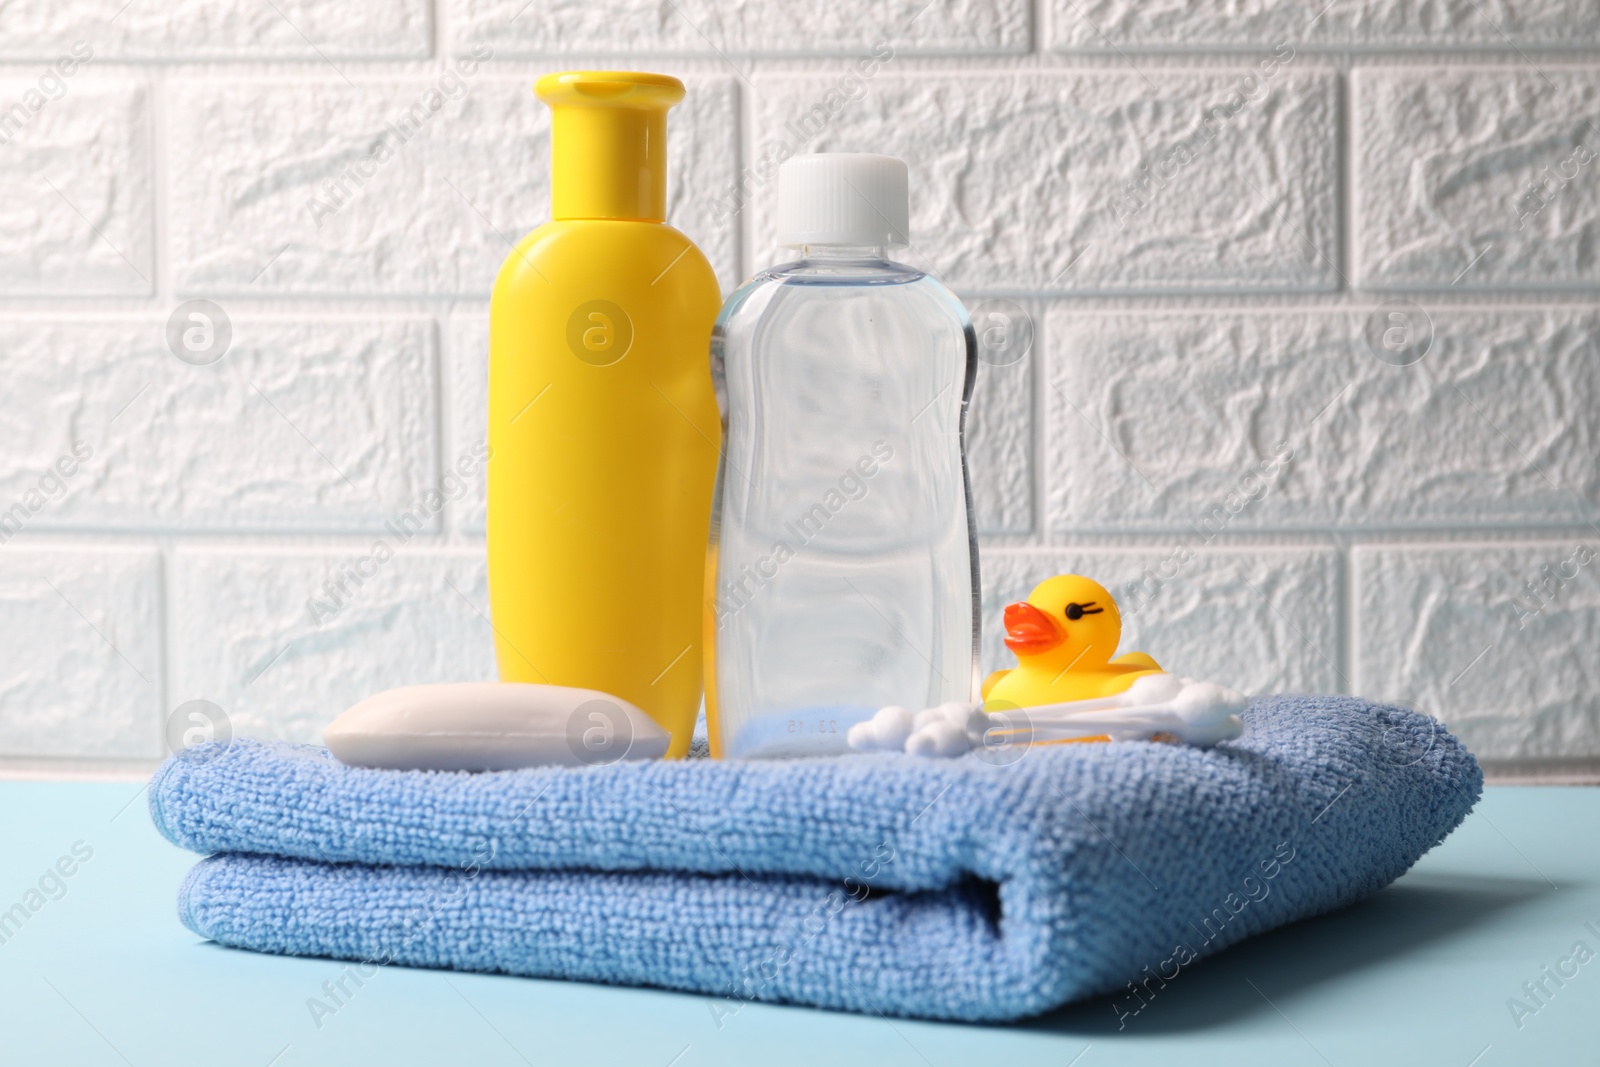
x=842, y=198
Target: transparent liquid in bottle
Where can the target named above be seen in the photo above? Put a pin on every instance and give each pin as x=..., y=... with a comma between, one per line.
x=842, y=535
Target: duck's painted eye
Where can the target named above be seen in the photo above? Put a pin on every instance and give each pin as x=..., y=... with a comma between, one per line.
x=1075, y=612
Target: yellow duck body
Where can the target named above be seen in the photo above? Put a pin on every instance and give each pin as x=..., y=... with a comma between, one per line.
x=1065, y=636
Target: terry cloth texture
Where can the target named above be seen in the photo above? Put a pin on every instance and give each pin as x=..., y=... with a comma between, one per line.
x=952, y=889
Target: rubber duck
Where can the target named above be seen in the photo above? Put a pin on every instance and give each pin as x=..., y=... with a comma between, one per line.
x=1064, y=636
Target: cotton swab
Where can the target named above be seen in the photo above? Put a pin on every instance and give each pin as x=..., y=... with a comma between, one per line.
x=1194, y=713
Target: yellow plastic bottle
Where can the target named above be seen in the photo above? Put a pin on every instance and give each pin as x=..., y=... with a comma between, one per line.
x=603, y=427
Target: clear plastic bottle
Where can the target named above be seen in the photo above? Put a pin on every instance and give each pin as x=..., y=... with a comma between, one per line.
x=843, y=553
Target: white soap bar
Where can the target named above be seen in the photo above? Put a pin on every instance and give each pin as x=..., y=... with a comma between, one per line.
x=492, y=726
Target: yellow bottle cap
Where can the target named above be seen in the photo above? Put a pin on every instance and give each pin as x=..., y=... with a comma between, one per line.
x=608, y=143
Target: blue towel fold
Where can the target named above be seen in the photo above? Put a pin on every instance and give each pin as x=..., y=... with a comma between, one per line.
x=959, y=889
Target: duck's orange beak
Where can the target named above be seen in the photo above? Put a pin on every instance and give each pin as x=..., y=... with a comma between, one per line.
x=1030, y=631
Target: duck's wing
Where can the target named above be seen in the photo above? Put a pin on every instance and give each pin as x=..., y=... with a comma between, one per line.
x=1142, y=660
x=991, y=681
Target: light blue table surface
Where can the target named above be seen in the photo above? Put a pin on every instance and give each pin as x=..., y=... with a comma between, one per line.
x=1421, y=974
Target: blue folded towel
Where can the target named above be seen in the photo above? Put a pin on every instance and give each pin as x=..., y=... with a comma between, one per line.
x=954, y=889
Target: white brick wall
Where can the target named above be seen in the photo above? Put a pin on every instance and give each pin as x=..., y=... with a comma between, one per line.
x=1443, y=163
x=1018, y=176
x=81, y=221
x=309, y=424
x=245, y=638
x=1208, y=210
x=1457, y=626
x=1362, y=24
x=1189, y=403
